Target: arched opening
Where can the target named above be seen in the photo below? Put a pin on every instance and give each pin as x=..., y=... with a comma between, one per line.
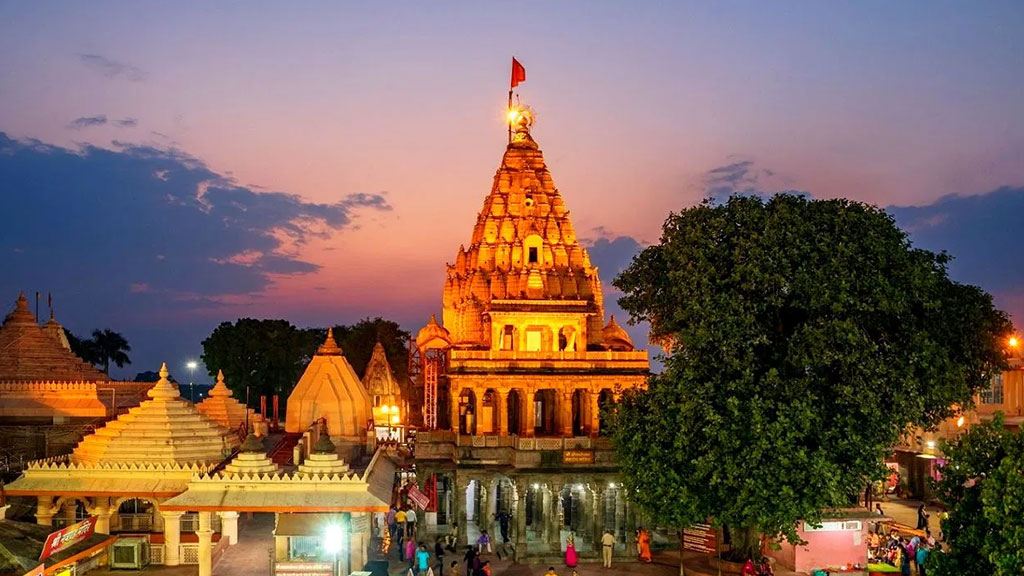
x=545, y=413
x=605, y=403
x=467, y=412
x=513, y=412
x=135, y=515
x=488, y=421
x=567, y=339
x=579, y=412
x=72, y=510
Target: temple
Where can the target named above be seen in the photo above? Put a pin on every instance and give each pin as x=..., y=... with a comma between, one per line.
x=382, y=386
x=522, y=372
x=329, y=390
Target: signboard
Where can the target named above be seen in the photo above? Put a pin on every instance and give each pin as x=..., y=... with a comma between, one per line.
x=67, y=537
x=419, y=498
x=700, y=538
x=37, y=571
x=304, y=568
x=578, y=457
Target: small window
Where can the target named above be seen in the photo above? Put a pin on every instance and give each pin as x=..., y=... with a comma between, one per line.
x=506, y=338
x=376, y=400
x=994, y=394
x=533, y=254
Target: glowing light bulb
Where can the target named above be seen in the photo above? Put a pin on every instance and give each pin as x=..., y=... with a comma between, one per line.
x=960, y=422
x=1013, y=342
x=385, y=409
x=513, y=115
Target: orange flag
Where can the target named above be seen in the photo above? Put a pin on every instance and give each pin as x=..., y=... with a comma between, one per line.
x=518, y=73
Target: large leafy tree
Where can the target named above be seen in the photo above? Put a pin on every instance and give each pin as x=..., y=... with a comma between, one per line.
x=981, y=484
x=805, y=337
x=267, y=356
x=358, y=341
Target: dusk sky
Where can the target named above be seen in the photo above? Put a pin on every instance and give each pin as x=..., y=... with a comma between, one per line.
x=166, y=167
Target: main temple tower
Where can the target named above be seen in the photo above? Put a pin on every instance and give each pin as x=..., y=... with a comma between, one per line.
x=525, y=369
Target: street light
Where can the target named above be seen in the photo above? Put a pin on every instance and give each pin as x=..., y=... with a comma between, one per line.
x=334, y=537
x=191, y=365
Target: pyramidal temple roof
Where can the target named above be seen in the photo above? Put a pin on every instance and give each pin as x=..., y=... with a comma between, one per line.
x=164, y=429
x=379, y=379
x=329, y=389
x=523, y=247
x=223, y=408
x=33, y=353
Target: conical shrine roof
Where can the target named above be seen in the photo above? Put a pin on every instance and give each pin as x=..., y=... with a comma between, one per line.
x=251, y=459
x=523, y=247
x=164, y=429
x=223, y=408
x=30, y=353
x=379, y=379
x=329, y=389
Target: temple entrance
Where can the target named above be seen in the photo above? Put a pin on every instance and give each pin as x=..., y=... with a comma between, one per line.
x=605, y=402
x=513, y=410
x=467, y=412
x=135, y=515
x=488, y=420
x=545, y=413
x=580, y=418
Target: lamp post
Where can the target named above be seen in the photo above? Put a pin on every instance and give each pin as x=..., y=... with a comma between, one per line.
x=191, y=365
x=333, y=543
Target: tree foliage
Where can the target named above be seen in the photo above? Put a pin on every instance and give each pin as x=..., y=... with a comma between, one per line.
x=105, y=346
x=269, y=356
x=806, y=336
x=982, y=486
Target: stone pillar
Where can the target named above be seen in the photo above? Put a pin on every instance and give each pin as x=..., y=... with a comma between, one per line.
x=69, y=509
x=455, y=394
x=482, y=520
x=205, y=534
x=101, y=509
x=460, y=508
x=44, y=511
x=172, y=537
x=529, y=414
x=599, y=490
x=620, y=513
x=520, y=538
x=595, y=414
x=630, y=535
x=492, y=501
x=565, y=411
x=229, y=526
x=281, y=548
x=478, y=403
x=555, y=518
x=501, y=412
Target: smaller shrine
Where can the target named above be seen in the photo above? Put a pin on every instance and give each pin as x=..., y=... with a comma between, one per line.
x=221, y=407
x=330, y=391
x=389, y=410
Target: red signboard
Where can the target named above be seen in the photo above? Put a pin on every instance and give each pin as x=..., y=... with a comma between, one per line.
x=67, y=537
x=700, y=538
x=419, y=498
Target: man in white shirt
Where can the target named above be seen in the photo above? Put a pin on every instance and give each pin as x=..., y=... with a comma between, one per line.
x=410, y=522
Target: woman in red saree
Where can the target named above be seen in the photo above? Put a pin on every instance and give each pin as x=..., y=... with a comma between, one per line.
x=643, y=545
x=571, y=557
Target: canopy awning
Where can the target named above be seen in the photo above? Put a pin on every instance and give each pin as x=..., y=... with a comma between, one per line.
x=115, y=486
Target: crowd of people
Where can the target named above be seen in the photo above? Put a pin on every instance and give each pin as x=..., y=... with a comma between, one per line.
x=901, y=552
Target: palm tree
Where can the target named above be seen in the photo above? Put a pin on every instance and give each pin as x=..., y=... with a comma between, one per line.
x=110, y=347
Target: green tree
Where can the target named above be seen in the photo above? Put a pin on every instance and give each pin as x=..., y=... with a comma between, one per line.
x=982, y=488
x=82, y=347
x=805, y=337
x=268, y=356
x=358, y=340
x=110, y=346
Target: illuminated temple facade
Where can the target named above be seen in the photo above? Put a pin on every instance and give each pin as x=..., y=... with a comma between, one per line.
x=527, y=367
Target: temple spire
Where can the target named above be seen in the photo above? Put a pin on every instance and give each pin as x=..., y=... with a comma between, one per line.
x=329, y=347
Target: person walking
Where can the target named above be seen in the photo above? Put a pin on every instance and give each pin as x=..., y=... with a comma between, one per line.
x=422, y=561
x=922, y=518
x=410, y=551
x=439, y=554
x=470, y=559
x=607, y=545
x=453, y=569
x=410, y=522
x=904, y=559
x=921, y=557
x=400, y=533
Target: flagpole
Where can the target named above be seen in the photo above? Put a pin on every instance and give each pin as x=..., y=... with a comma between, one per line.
x=508, y=117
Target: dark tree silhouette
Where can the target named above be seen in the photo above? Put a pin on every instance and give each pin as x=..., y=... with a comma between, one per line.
x=110, y=347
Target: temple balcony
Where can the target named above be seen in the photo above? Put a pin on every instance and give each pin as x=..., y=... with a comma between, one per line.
x=517, y=451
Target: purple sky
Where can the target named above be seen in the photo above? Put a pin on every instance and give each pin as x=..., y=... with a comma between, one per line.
x=322, y=161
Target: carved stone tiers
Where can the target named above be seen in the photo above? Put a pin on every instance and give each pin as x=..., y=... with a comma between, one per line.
x=523, y=247
x=165, y=428
x=223, y=408
x=324, y=460
x=252, y=459
x=30, y=352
